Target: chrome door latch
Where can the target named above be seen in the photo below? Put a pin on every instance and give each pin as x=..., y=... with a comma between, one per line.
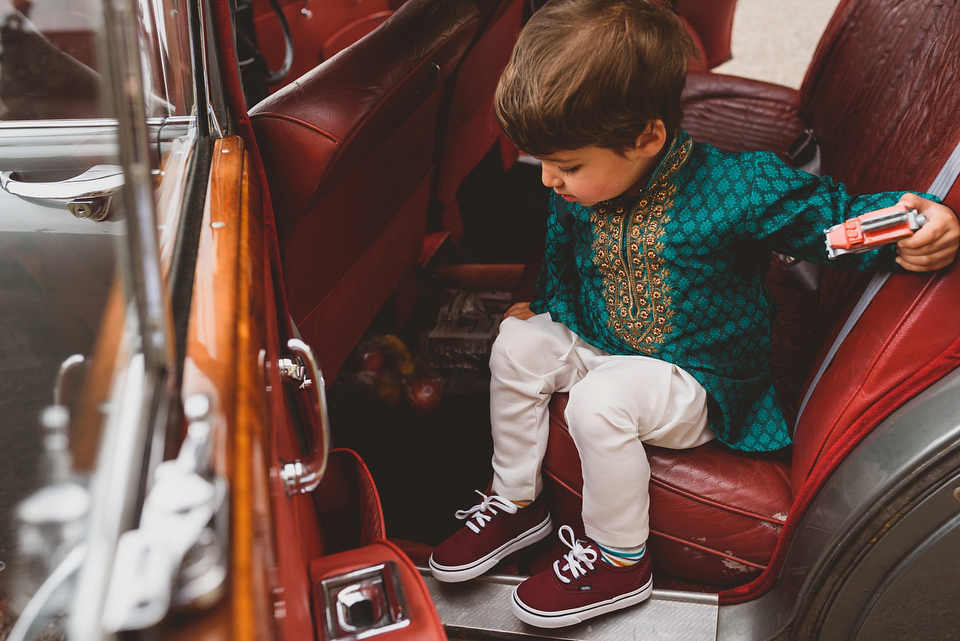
x=90, y=208
x=86, y=196
x=293, y=371
x=303, y=474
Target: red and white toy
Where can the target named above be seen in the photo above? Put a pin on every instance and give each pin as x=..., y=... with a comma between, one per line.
x=871, y=230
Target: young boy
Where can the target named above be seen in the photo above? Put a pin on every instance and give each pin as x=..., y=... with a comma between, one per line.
x=650, y=308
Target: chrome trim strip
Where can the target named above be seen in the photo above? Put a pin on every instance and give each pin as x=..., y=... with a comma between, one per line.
x=303, y=475
x=112, y=504
x=479, y=609
x=38, y=145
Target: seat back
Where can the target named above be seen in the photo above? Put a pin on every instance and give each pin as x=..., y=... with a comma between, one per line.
x=318, y=28
x=349, y=154
x=868, y=93
x=906, y=339
x=885, y=104
x=712, y=23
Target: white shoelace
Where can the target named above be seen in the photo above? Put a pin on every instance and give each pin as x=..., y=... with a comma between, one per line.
x=479, y=511
x=578, y=554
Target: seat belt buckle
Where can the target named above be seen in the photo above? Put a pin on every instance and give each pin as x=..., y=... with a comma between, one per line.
x=802, y=150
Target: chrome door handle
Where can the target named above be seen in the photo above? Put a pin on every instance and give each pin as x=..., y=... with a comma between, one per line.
x=304, y=474
x=86, y=196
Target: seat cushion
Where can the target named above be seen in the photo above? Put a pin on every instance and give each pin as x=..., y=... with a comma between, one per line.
x=715, y=513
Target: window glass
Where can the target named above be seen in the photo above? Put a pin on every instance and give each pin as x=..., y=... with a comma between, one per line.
x=48, y=66
x=74, y=378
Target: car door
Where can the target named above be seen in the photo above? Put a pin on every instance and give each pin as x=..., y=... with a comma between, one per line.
x=111, y=520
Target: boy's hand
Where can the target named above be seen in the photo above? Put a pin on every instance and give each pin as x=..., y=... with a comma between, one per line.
x=935, y=244
x=519, y=310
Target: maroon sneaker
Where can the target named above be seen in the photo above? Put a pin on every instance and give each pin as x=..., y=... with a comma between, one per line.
x=494, y=528
x=580, y=586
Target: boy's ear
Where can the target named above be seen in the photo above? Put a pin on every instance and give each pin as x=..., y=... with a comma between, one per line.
x=651, y=141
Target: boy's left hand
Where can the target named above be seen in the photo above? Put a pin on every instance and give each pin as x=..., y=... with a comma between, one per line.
x=935, y=244
x=519, y=310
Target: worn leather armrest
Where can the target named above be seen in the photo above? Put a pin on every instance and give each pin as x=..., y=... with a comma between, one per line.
x=741, y=114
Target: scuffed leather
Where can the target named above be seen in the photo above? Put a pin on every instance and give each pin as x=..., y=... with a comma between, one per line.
x=882, y=92
x=715, y=514
x=740, y=114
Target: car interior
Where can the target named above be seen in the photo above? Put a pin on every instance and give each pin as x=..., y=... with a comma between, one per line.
x=391, y=187
x=399, y=224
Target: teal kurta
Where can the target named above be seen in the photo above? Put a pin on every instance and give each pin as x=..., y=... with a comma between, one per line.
x=679, y=274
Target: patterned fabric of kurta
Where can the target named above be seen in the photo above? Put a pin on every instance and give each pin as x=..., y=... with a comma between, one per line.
x=679, y=274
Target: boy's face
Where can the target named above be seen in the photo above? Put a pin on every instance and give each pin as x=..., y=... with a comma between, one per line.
x=590, y=175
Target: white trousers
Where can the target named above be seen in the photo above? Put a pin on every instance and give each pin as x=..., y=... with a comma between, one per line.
x=616, y=404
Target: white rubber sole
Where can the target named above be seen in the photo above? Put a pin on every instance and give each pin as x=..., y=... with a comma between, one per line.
x=457, y=573
x=578, y=615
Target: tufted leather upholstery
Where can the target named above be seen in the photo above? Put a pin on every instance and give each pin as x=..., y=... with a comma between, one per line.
x=886, y=106
x=349, y=154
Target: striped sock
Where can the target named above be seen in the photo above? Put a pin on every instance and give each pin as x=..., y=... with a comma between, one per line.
x=621, y=556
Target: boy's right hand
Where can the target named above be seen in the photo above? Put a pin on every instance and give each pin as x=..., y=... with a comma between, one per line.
x=519, y=310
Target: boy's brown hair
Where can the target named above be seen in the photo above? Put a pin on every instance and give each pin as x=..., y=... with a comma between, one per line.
x=593, y=73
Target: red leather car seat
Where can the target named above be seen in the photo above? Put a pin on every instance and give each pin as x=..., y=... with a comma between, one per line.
x=885, y=105
x=319, y=29
x=712, y=22
x=349, y=154
x=471, y=129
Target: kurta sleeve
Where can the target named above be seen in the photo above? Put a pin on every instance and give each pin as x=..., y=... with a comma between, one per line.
x=790, y=209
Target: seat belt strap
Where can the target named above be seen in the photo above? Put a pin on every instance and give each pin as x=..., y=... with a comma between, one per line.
x=940, y=187
x=948, y=175
x=872, y=288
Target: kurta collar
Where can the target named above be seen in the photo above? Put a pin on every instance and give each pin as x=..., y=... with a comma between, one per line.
x=669, y=165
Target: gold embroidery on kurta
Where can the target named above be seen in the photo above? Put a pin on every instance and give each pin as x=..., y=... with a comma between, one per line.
x=628, y=248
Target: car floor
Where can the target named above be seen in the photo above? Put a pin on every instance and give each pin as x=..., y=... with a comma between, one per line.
x=427, y=464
